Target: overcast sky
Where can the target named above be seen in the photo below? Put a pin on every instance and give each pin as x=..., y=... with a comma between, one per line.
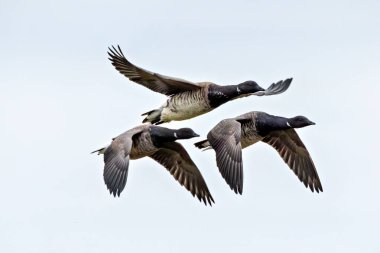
x=60, y=99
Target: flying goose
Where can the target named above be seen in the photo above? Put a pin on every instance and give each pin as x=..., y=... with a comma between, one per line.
x=230, y=136
x=160, y=144
x=187, y=99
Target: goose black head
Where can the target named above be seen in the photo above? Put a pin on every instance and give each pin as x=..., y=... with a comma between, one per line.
x=249, y=87
x=185, y=133
x=299, y=121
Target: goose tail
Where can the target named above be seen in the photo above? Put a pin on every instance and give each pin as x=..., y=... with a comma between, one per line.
x=204, y=145
x=153, y=116
x=100, y=151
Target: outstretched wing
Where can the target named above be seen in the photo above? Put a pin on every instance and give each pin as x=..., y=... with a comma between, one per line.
x=177, y=161
x=294, y=153
x=154, y=81
x=225, y=140
x=116, y=161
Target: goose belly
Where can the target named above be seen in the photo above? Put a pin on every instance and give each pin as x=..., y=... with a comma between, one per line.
x=249, y=136
x=185, y=106
x=142, y=146
x=250, y=140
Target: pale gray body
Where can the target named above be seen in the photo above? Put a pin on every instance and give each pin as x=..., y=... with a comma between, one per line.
x=142, y=145
x=249, y=134
x=185, y=105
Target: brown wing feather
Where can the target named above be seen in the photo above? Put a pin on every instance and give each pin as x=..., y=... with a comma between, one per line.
x=116, y=163
x=225, y=140
x=177, y=161
x=295, y=155
x=116, y=160
x=154, y=81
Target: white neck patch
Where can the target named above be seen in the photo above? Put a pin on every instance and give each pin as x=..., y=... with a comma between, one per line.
x=237, y=89
x=175, y=135
x=287, y=123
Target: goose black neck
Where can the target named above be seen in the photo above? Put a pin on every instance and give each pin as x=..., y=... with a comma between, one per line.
x=162, y=134
x=266, y=123
x=218, y=95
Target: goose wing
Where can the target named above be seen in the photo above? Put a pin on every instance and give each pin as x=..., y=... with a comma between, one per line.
x=225, y=140
x=153, y=81
x=116, y=161
x=295, y=155
x=177, y=161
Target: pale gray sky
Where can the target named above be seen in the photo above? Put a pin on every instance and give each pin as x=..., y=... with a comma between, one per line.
x=61, y=98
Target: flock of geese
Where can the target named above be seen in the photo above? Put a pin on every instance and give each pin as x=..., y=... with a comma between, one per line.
x=187, y=100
